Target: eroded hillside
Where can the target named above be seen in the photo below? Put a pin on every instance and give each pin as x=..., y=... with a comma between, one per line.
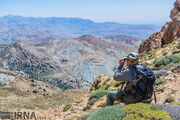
x=85, y=57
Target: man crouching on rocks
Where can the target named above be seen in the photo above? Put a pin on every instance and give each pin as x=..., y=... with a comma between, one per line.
x=128, y=75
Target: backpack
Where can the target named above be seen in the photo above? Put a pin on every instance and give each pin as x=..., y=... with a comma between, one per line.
x=144, y=85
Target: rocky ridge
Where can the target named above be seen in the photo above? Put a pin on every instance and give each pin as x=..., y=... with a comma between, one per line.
x=169, y=33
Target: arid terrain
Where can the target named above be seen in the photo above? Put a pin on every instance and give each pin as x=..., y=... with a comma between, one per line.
x=69, y=78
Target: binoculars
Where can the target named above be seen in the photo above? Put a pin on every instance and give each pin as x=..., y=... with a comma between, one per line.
x=125, y=59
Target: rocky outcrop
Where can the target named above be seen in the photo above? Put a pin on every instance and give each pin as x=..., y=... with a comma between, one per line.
x=173, y=31
x=154, y=41
x=169, y=32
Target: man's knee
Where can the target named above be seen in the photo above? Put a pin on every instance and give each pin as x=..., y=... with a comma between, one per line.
x=113, y=95
x=109, y=94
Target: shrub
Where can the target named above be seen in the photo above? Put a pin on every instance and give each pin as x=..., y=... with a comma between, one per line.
x=106, y=80
x=67, y=107
x=141, y=111
x=165, y=53
x=116, y=83
x=108, y=113
x=175, y=51
x=178, y=45
x=176, y=103
x=98, y=94
x=161, y=80
x=151, y=54
x=104, y=87
x=78, y=116
x=175, y=58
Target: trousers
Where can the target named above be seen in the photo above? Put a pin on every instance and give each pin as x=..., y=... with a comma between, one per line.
x=119, y=95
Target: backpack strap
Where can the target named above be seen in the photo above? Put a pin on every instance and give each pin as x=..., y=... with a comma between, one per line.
x=155, y=99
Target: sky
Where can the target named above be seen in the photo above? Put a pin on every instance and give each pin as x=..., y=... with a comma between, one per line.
x=122, y=11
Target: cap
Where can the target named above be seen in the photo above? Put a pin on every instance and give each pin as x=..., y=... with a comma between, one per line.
x=133, y=56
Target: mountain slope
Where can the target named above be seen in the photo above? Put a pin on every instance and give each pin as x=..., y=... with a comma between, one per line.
x=16, y=57
x=84, y=57
x=68, y=63
x=124, y=40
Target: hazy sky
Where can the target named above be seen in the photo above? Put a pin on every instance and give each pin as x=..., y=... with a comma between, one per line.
x=122, y=11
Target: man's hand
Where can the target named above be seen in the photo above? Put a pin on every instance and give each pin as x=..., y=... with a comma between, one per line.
x=121, y=62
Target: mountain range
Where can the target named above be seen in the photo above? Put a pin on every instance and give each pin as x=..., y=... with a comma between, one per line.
x=33, y=30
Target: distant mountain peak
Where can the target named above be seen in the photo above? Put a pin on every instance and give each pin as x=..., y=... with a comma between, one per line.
x=88, y=36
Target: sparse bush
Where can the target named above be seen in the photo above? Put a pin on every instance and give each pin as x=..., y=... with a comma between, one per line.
x=165, y=53
x=67, y=107
x=161, y=80
x=175, y=51
x=4, y=92
x=98, y=94
x=108, y=113
x=178, y=45
x=175, y=58
x=104, y=87
x=176, y=103
x=98, y=80
x=141, y=111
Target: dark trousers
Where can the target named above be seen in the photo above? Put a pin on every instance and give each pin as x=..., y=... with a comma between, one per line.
x=119, y=95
